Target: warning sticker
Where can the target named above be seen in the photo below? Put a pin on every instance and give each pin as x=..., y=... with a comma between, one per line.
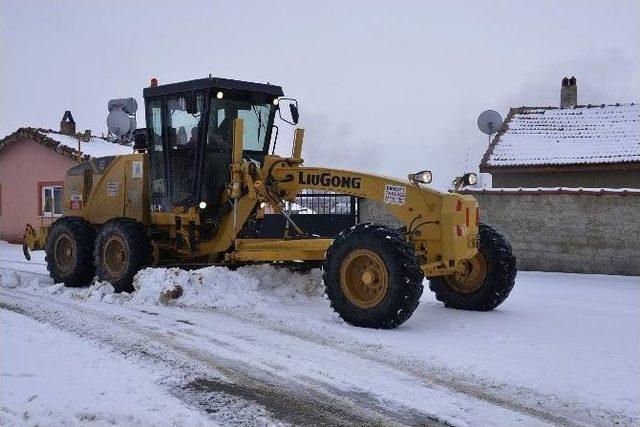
x=395, y=194
x=76, y=202
x=113, y=188
x=136, y=169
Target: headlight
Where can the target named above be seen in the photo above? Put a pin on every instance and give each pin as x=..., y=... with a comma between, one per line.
x=202, y=205
x=423, y=177
x=470, y=179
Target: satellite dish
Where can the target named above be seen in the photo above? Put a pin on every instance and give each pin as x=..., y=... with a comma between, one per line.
x=490, y=122
x=121, y=121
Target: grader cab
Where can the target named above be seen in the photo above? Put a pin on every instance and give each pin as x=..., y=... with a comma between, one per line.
x=199, y=183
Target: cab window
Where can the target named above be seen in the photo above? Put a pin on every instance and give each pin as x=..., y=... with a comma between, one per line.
x=183, y=129
x=156, y=151
x=256, y=118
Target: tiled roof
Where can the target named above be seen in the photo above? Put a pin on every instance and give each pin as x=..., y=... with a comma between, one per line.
x=582, y=135
x=67, y=145
x=554, y=190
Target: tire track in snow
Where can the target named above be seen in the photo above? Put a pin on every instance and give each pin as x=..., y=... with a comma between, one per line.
x=291, y=401
x=546, y=408
x=529, y=403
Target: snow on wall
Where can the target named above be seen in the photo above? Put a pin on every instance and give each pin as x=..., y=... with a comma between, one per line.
x=580, y=135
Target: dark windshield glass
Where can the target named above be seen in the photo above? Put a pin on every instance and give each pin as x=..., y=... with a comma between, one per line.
x=256, y=123
x=183, y=138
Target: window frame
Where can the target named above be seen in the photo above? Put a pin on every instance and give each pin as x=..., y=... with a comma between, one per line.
x=42, y=186
x=171, y=151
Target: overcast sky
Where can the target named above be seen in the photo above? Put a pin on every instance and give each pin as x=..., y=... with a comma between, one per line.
x=389, y=87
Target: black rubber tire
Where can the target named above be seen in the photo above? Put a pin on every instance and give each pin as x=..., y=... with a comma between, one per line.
x=138, y=252
x=82, y=234
x=499, y=280
x=403, y=268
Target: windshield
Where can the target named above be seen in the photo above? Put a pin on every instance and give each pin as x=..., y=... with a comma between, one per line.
x=256, y=118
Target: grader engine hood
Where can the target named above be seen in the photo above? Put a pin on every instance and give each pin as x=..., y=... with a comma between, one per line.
x=108, y=187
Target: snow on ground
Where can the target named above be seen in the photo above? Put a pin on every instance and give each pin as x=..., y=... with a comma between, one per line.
x=567, y=343
x=50, y=377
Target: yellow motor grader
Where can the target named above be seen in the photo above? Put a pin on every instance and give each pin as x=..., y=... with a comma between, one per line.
x=201, y=179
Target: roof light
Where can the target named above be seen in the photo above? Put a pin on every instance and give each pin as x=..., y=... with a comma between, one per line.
x=423, y=177
x=470, y=178
x=219, y=95
x=202, y=205
x=154, y=82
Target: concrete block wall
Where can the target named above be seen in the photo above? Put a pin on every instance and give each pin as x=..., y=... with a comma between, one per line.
x=374, y=211
x=578, y=232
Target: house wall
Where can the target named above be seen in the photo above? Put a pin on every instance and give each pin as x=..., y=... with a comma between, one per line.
x=575, y=233
x=23, y=166
x=629, y=178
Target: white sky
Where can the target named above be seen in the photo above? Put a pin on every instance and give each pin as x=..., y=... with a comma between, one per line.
x=386, y=87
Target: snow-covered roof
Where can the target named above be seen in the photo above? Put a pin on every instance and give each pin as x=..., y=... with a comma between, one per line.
x=95, y=147
x=67, y=145
x=588, y=191
x=546, y=136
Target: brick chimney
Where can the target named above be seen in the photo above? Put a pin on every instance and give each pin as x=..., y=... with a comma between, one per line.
x=568, y=93
x=67, y=124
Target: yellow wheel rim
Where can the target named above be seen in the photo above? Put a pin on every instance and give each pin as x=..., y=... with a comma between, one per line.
x=472, y=277
x=364, y=279
x=114, y=255
x=65, y=252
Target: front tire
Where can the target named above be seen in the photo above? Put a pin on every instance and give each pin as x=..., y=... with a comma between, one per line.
x=372, y=277
x=488, y=279
x=122, y=249
x=68, y=252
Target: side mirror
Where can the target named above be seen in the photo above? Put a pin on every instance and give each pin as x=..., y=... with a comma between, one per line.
x=294, y=113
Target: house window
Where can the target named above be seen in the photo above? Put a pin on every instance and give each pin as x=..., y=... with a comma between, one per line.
x=51, y=200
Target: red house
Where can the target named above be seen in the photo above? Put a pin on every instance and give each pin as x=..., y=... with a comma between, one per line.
x=33, y=163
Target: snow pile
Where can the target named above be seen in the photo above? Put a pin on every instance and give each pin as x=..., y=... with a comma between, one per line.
x=12, y=279
x=98, y=292
x=212, y=287
x=219, y=287
x=283, y=284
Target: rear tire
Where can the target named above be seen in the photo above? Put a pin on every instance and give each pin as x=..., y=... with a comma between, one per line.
x=498, y=265
x=122, y=249
x=372, y=277
x=68, y=252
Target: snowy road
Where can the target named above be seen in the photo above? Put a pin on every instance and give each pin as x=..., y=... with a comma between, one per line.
x=564, y=349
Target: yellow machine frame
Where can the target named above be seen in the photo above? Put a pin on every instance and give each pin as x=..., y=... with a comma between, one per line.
x=443, y=227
